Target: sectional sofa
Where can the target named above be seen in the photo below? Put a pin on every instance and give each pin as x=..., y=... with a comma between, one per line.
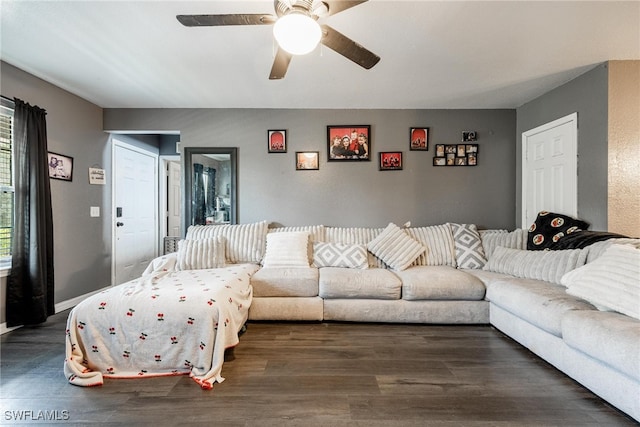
x=578, y=309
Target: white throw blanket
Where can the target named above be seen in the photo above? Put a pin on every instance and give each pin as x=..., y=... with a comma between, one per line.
x=165, y=323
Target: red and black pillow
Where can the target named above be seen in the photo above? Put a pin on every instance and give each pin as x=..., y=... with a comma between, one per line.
x=550, y=227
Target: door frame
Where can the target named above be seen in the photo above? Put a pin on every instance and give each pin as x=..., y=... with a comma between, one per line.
x=119, y=143
x=571, y=118
x=162, y=205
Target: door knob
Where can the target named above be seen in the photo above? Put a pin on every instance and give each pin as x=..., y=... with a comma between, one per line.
x=119, y=224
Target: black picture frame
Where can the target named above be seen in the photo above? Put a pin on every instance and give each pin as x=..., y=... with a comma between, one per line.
x=469, y=136
x=390, y=160
x=60, y=166
x=355, y=143
x=307, y=160
x=419, y=139
x=456, y=155
x=277, y=141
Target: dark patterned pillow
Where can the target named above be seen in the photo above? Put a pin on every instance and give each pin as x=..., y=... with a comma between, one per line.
x=550, y=227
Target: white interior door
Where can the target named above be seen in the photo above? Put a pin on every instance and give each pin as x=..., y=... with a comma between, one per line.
x=135, y=201
x=550, y=169
x=173, y=198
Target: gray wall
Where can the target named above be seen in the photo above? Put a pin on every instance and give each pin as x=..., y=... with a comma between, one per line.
x=74, y=128
x=351, y=193
x=588, y=96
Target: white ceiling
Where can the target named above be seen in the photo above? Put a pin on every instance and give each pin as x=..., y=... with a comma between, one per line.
x=435, y=54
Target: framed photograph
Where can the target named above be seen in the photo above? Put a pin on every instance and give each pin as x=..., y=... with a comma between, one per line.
x=60, y=166
x=419, y=139
x=469, y=136
x=307, y=160
x=390, y=160
x=277, y=141
x=456, y=155
x=349, y=143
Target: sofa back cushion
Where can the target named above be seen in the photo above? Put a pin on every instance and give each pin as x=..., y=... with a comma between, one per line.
x=245, y=242
x=201, y=254
x=438, y=241
x=491, y=239
x=549, y=266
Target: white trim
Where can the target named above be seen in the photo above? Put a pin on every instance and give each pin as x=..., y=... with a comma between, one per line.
x=60, y=307
x=117, y=143
x=573, y=117
x=162, y=200
x=5, y=271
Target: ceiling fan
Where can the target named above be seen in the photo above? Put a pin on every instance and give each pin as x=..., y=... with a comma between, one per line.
x=295, y=10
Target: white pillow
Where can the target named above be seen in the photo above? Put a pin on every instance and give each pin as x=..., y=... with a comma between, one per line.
x=286, y=249
x=549, y=266
x=611, y=282
x=201, y=253
x=340, y=255
x=395, y=247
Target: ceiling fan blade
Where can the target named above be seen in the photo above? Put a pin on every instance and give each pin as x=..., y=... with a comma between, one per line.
x=336, y=6
x=348, y=48
x=280, y=64
x=220, y=20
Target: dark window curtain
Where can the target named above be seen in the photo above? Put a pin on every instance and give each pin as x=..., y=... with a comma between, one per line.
x=198, y=203
x=30, y=286
x=211, y=190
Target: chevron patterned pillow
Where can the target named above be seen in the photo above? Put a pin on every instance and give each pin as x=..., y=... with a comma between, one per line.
x=340, y=255
x=468, y=245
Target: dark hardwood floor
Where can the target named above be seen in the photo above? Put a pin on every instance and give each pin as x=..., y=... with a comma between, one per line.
x=313, y=374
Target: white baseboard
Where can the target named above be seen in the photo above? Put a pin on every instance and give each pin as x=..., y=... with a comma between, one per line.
x=61, y=306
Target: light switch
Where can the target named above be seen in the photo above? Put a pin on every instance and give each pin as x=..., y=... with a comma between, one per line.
x=95, y=211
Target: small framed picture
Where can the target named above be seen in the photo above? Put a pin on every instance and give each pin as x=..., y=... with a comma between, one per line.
x=277, y=141
x=60, y=166
x=439, y=150
x=390, y=160
x=461, y=161
x=439, y=161
x=469, y=136
x=307, y=160
x=451, y=159
x=461, y=150
x=419, y=139
x=349, y=143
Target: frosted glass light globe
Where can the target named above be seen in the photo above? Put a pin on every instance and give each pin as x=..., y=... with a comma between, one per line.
x=297, y=33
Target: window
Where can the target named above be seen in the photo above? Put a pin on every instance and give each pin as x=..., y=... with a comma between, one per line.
x=6, y=182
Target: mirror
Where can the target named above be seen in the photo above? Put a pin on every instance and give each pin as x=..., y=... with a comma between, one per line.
x=210, y=181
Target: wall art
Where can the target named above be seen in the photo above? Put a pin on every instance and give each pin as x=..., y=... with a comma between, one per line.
x=456, y=155
x=307, y=160
x=419, y=139
x=349, y=143
x=277, y=141
x=60, y=166
x=390, y=160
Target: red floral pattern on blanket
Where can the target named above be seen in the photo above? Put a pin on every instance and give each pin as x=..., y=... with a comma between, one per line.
x=171, y=323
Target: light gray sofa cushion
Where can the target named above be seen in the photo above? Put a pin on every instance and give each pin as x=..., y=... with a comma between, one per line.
x=285, y=282
x=612, y=338
x=439, y=282
x=549, y=266
x=374, y=283
x=540, y=303
x=491, y=239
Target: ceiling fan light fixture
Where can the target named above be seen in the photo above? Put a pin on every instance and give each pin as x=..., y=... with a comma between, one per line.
x=297, y=33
